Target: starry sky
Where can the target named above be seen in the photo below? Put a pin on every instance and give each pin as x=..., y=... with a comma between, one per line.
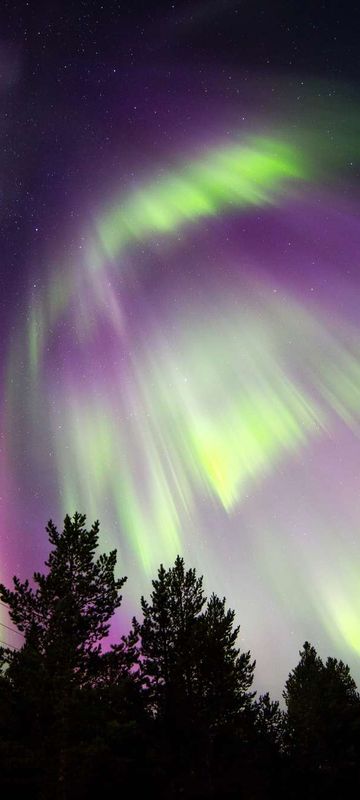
x=179, y=292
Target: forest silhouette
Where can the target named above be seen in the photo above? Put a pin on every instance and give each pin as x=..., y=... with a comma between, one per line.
x=167, y=712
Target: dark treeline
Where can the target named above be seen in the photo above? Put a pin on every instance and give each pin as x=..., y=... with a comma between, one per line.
x=167, y=712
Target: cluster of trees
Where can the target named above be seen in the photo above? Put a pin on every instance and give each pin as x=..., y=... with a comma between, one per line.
x=169, y=710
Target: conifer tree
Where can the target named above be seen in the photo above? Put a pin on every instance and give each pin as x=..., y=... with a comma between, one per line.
x=64, y=617
x=197, y=683
x=188, y=652
x=323, y=709
x=169, y=635
x=225, y=675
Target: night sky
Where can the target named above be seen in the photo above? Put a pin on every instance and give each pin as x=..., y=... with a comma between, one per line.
x=179, y=294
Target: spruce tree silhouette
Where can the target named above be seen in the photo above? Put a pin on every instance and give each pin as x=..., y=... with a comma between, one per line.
x=196, y=681
x=64, y=617
x=169, y=636
x=323, y=712
x=226, y=675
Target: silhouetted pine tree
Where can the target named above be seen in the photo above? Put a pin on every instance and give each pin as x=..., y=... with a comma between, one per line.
x=196, y=680
x=304, y=701
x=64, y=617
x=270, y=720
x=225, y=676
x=323, y=711
x=169, y=636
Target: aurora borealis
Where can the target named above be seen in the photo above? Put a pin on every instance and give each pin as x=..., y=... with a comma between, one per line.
x=183, y=360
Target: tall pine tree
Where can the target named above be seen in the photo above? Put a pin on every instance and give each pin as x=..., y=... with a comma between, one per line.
x=64, y=617
x=197, y=683
x=169, y=636
x=323, y=710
